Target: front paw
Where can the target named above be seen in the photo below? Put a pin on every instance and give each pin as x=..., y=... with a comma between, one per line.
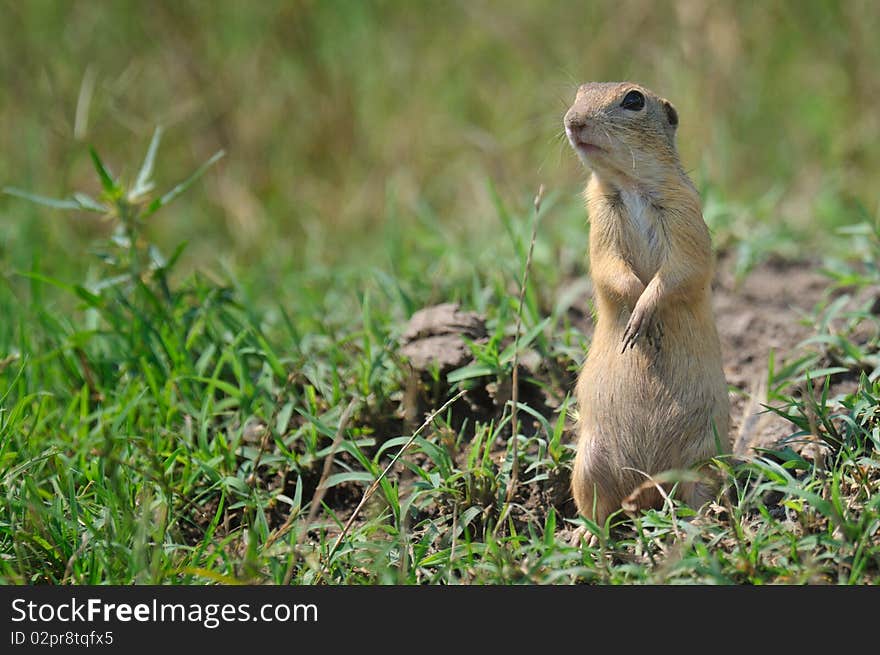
x=641, y=323
x=655, y=334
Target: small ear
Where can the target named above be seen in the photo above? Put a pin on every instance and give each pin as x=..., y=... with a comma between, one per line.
x=671, y=114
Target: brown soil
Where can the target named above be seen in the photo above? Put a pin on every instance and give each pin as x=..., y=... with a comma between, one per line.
x=768, y=311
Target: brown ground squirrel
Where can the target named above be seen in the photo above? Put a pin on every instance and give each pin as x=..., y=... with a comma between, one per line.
x=651, y=395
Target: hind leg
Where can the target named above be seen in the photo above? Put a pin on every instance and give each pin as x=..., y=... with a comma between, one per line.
x=592, y=496
x=697, y=494
x=580, y=537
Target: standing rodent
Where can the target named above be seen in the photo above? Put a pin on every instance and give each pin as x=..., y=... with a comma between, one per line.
x=652, y=394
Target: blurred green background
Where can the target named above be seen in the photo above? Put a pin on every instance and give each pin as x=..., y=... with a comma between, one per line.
x=338, y=117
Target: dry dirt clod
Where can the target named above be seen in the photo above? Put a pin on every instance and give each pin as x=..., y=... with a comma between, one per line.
x=435, y=341
x=435, y=336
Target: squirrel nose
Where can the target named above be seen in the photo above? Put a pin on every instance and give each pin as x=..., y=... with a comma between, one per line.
x=575, y=120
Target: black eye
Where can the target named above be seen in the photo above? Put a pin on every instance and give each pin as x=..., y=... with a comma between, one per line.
x=634, y=101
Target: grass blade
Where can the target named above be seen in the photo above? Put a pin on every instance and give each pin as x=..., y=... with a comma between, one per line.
x=143, y=184
x=55, y=203
x=158, y=203
x=106, y=179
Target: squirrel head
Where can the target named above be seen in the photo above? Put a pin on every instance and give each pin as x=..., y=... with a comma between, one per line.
x=624, y=132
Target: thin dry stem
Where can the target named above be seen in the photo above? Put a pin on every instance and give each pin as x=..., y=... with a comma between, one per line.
x=68, y=570
x=372, y=488
x=514, y=393
x=651, y=482
x=320, y=490
x=264, y=446
x=318, y=496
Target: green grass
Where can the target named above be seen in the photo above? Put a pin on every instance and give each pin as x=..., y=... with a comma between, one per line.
x=171, y=385
x=166, y=431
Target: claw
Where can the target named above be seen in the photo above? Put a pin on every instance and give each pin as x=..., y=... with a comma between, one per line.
x=629, y=341
x=642, y=323
x=633, y=330
x=658, y=335
x=580, y=537
x=655, y=335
